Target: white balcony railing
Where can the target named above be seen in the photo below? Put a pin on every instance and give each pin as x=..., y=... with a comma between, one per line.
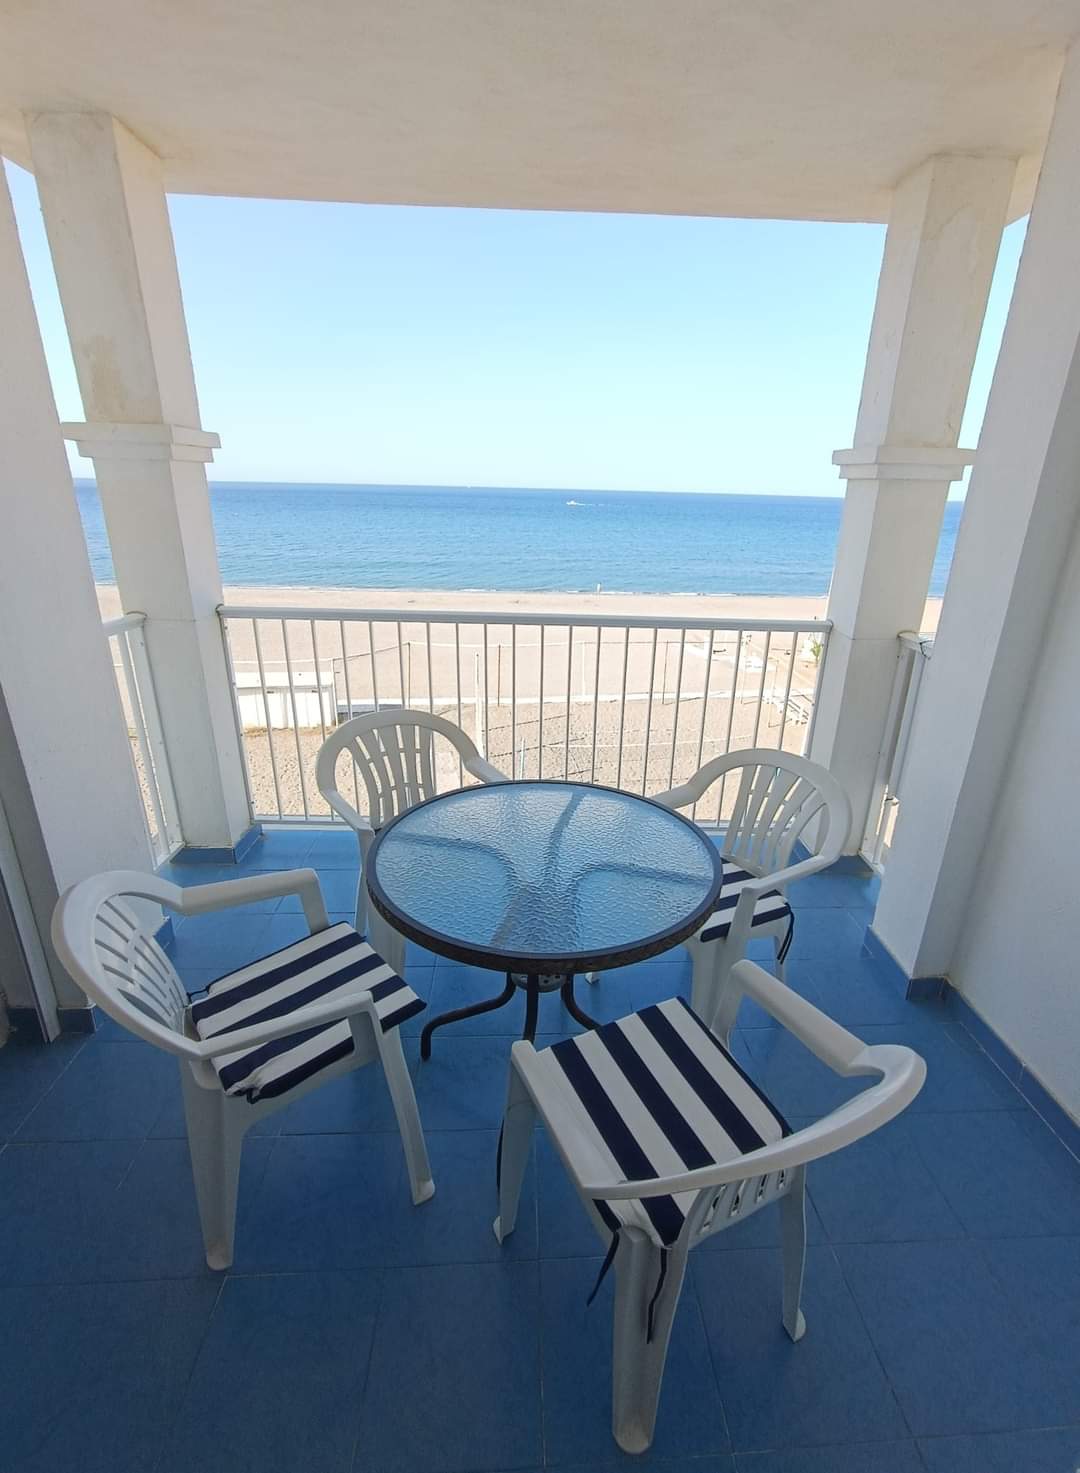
x=628, y=702
x=138, y=699
x=912, y=654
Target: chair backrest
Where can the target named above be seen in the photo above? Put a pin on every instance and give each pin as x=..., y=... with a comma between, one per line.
x=112, y=954
x=781, y=798
x=394, y=753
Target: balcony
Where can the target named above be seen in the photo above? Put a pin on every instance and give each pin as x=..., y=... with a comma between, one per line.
x=355, y=1331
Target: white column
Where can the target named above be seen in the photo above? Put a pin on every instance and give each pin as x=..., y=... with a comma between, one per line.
x=942, y=243
x=1021, y=508
x=67, y=783
x=108, y=226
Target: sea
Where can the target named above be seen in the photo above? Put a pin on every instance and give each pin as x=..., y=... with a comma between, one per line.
x=519, y=540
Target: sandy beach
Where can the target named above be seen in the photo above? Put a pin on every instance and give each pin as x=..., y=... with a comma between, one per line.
x=639, y=709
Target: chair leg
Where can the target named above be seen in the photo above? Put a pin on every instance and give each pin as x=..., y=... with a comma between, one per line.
x=704, y=957
x=637, y=1361
x=592, y=977
x=390, y=944
x=215, y=1131
x=403, y=1099
x=793, y=1238
x=515, y=1143
x=361, y=907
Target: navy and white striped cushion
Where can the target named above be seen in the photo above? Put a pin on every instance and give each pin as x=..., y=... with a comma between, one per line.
x=332, y=964
x=771, y=905
x=655, y=1094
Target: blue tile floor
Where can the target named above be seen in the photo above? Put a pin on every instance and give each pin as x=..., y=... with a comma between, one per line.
x=356, y=1332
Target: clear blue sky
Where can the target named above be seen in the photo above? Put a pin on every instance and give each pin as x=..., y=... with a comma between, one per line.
x=480, y=347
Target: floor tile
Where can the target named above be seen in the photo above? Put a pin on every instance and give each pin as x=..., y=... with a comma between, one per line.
x=335, y=848
x=880, y=1190
x=455, y=1226
x=279, y=1379
x=965, y=1353
x=577, y=1373
x=1056, y=1450
x=359, y=1101
x=795, y=1080
x=321, y=1204
x=855, y=991
x=338, y=891
x=281, y=849
x=150, y=1223
x=1003, y=1173
x=463, y=1085
x=454, y=1381
x=219, y=942
x=827, y=933
x=828, y=1388
x=27, y=1070
x=54, y=1204
x=111, y=1091
x=834, y=891
x=959, y=1076
x=860, y=1457
x=93, y=1374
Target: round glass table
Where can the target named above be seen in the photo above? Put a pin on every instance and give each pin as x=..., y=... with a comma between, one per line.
x=541, y=881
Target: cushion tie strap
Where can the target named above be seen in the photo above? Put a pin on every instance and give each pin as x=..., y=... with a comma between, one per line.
x=656, y=1292
x=785, y=945
x=609, y=1259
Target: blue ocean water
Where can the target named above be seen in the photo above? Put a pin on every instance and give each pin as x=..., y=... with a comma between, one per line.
x=282, y=535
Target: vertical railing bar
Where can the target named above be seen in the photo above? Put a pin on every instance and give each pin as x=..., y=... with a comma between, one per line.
x=540, y=710
x=731, y=715
x=595, y=703
x=761, y=686
x=622, y=709
x=296, y=719
x=159, y=838
x=457, y=672
x=648, y=712
x=569, y=693
x=372, y=653
x=230, y=672
x=704, y=710
x=349, y=708
x=513, y=699
x=678, y=706
x=487, y=702
x=787, y=691
x=319, y=689
x=401, y=666
x=266, y=712
x=430, y=684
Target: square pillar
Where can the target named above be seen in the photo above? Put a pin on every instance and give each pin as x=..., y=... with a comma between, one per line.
x=940, y=250
x=67, y=782
x=1020, y=518
x=108, y=227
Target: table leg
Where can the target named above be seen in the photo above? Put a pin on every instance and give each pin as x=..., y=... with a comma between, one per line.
x=487, y=1006
x=532, y=1003
x=570, y=1003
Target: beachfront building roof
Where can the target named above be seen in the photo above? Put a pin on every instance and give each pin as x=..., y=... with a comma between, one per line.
x=943, y=120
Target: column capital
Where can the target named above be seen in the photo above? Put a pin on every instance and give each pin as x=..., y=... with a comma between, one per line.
x=105, y=440
x=903, y=463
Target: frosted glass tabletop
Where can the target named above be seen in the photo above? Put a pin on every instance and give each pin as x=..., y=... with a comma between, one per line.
x=547, y=877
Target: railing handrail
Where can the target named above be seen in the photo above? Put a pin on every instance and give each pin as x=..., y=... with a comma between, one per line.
x=123, y=622
x=503, y=616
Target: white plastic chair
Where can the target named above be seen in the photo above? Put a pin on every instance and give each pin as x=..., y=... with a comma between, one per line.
x=633, y=1111
x=230, y=1073
x=781, y=799
x=394, y=754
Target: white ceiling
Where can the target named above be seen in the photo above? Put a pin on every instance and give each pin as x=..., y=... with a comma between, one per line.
x=807, y=109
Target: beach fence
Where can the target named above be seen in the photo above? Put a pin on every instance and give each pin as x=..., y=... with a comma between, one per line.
x=634, y=703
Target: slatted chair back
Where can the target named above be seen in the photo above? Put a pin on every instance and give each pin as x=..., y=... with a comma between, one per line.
x=781, y=798
x=109, y=948
x=394, y=753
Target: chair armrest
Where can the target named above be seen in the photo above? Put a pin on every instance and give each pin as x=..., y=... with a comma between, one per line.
x=781, y=877
x=310, y=1017
x=200, y=899
x=903, y=1072
x=481, y=768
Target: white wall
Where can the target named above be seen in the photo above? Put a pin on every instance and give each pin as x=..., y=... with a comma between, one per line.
x=1018, y=960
